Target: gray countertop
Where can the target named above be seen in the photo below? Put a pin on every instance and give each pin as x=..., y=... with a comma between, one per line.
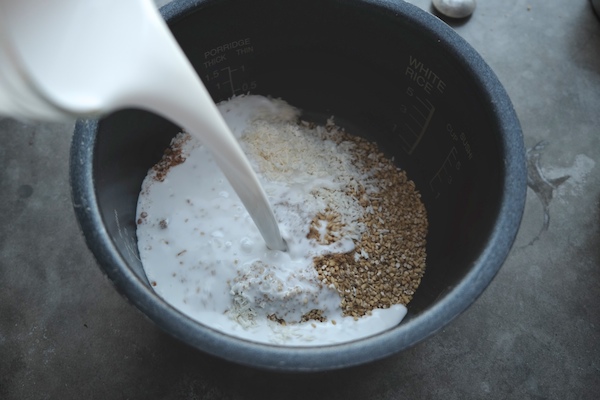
x=535, y=333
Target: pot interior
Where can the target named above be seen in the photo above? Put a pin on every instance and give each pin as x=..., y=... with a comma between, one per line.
x=377, y=75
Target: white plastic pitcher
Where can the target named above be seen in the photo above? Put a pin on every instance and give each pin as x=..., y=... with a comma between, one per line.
x=65, y=58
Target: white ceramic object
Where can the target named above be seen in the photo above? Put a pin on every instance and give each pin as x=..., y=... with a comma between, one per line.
x=455, y=8
x=63, y=58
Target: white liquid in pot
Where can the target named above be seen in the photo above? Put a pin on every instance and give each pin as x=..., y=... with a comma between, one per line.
x=204, y=255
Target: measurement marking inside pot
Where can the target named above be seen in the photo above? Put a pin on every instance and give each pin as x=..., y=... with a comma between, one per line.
x=445, y=170
x=422, y=118
x=230, y=71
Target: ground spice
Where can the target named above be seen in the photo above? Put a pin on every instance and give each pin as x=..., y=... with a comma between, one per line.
x=172, y=156
x=316, y=315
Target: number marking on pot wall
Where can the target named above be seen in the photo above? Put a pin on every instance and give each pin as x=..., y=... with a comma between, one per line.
x=425, y=84
x=419, y=117
x=445, y=174
x=461, y=137
x=225, y=68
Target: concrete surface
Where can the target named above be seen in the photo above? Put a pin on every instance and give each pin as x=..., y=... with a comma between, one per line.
x=535, y=333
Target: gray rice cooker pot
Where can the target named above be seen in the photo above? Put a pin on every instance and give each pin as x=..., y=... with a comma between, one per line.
x=386, y=70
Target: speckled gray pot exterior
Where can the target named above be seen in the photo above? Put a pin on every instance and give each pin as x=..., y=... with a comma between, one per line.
x=468, y=161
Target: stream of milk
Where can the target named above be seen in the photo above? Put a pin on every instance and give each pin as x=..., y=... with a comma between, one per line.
x=72, y=57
